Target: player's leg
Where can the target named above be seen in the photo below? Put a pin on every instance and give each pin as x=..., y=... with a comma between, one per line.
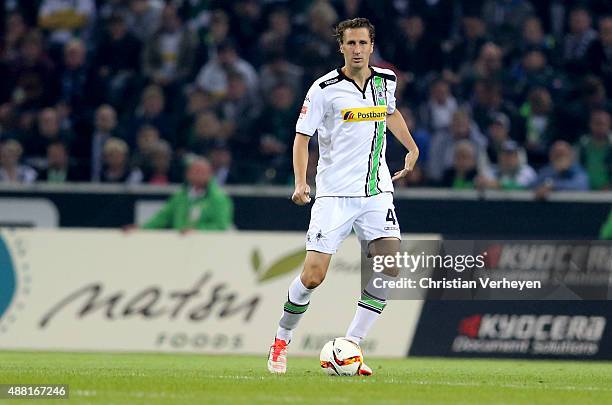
x=374, y=296
x=298, y=297
x=330, y=223
x=377, y=225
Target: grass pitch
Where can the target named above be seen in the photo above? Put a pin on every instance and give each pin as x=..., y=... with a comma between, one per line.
x=198, y=379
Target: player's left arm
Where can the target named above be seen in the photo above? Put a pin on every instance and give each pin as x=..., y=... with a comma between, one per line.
x=397, y=126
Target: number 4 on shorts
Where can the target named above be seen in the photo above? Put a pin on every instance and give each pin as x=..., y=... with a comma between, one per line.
x=391, y=216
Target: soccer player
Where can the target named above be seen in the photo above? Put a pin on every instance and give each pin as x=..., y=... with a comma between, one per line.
x=350, y=109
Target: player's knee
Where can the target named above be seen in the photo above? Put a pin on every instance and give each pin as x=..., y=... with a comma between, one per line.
x=313, y=275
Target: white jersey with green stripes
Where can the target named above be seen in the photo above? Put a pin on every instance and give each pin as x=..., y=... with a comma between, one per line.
x=351, y=127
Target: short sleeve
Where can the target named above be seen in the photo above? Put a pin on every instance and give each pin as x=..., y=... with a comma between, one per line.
x=312, y=112
x=391, y=85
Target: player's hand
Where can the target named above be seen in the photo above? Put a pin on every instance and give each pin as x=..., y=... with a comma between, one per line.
x=409, y=163
x=301, y=195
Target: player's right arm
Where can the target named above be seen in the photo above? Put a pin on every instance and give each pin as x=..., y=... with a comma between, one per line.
x=301, y=195
x=311, y=117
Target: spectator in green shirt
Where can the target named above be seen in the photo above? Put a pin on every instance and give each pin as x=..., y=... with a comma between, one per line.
x=511, y=172
x=462, y=175
x=595, y=150
x=199, y=205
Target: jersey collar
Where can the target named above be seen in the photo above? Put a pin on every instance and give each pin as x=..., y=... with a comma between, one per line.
x=348, y=79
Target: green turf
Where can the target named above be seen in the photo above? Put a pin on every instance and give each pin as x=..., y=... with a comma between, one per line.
x=198, y=379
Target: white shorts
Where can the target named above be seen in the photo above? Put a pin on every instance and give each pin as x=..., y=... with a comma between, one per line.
x=332, y=218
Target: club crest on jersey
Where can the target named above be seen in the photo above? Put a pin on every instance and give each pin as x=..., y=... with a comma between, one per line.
x=378, y=113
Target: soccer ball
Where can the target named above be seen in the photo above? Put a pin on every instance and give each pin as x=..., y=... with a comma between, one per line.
x=341, y=357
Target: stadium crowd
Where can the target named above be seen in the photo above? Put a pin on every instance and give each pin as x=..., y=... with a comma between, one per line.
x=506, y=94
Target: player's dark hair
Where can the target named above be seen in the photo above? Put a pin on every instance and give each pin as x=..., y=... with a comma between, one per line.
x=354, y=23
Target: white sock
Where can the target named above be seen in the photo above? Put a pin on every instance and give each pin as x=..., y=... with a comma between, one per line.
x=298, y=299
x=369, y=307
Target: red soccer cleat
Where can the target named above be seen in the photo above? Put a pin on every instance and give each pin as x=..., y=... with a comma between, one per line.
x=277, y=358
x=364, y=370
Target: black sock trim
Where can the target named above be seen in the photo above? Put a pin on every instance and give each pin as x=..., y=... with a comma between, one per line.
x=297, y=305
x=362, y=305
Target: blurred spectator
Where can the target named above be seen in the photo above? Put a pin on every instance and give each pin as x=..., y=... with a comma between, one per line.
x=578, y=40
x=118, y=60
x=58, y=168
x=438, y=16
x=213, y=76
x=199, y=205
x=221, y=162
x=27, y=8
x=146, y=139
x=239, y=108
x=11, y=171
x=574, y=116
x=32, y=81
x=462, y=174
x=160, y=164
x=211, y=35
x=511, y=172
x=599, y=54
x=396, y=152
x=66, y=19
x=415, y=52
x=143, y=17
x=443, y=144
x=275, y=125
x=317, y=49
x=16, y=30
x=169, y=53
x=151, y=112
x=197, y=101
x=533, y=71
x=505, y=18
x=488, y=100
x=276, y=39
x=595, y=151
x=47, y=131
x=246, y=26
x=198, y=13
x=563, y=173
x=488, y=65
x=280, y=70
x=533, y=36
x=90, y=149
x=79, y=88
x=436, y=114
x=116, y=164
x=206, y=132
x=537, y=113
x=498, y=134
x=109, y=8
x=465, y=50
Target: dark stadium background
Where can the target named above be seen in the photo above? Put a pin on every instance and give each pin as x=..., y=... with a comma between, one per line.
x=225, y=80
